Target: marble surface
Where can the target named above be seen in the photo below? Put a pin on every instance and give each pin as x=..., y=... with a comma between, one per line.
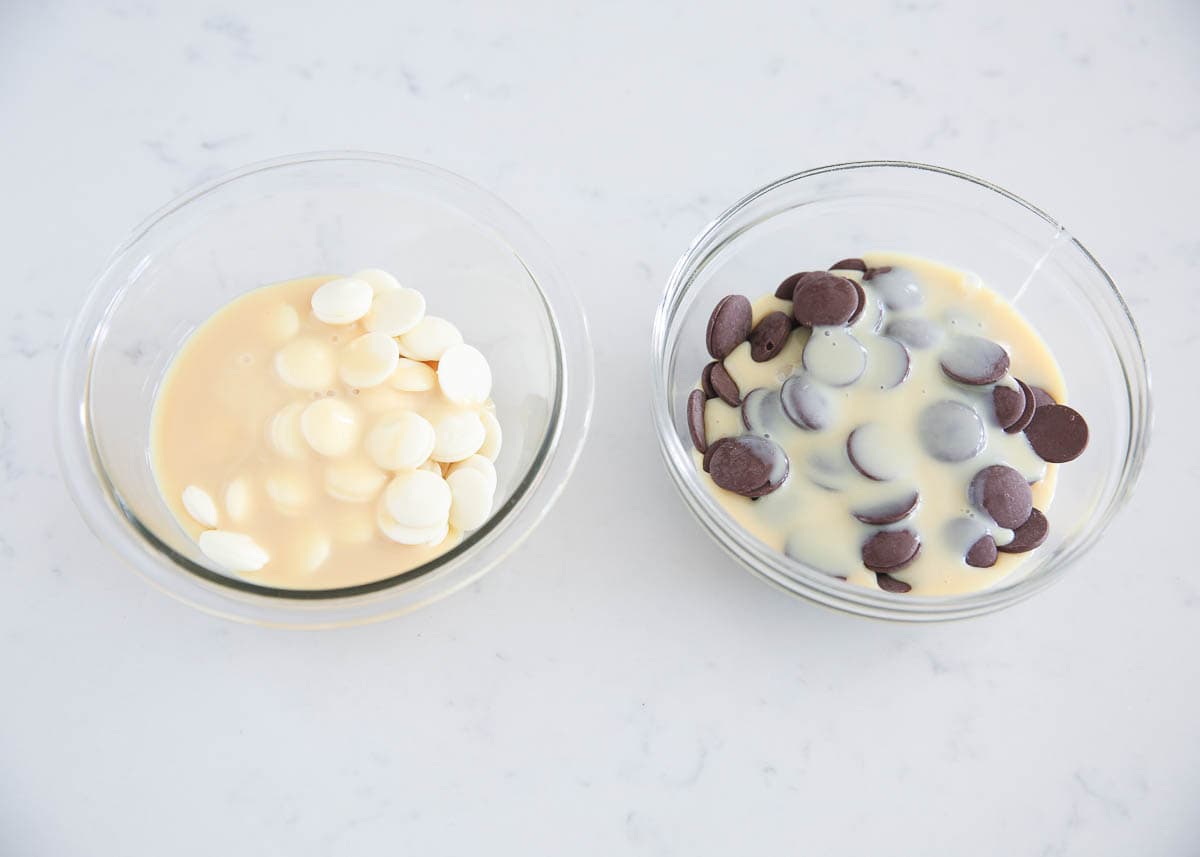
x=617, y=687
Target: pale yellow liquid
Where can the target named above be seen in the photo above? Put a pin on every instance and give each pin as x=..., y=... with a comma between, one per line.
x=209, y=429
x=815, y=524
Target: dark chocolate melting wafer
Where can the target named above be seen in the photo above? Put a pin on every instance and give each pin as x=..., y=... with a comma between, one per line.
x=974, y=360
x=1029, y=535
x=889, y=511
x=769, y=336
x=849, y=265
x=1009, y=405
x=728, y=326
x=951, y=431
x=712, y=447
x=890, y=550
x=890, y=584
x=805, y=404
x=787, y=288
x=916, y=333
x=1057, y=433
x=745, y=465
x=1041, y=397
x=982, y=554
x=872, y=273
x=1027, y=414
x=706, y=380
x=862, y=303
x=695, y=420
x=1004, y=494
x=724, y=385
x=823, y=299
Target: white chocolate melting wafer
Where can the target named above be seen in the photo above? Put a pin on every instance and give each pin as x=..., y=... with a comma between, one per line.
x=401, y=441
x=234, y=552
x=368, y=360
x=412, y=376
x=493, y=437
x=471, y=499
x=283, y=323
x=378, y=279
x=429, y=339
x=342, y=301
x=283, y=432
x=481, y=464
x=290, y=492
x=418, y=499
x=458, y=435
x=464, y=375
x=395, y=312
x=305, y=364
x=200, y=505
x=330, y=426
x=408, y=535
x=353, y=481
x=238, y=500
x=313, y=550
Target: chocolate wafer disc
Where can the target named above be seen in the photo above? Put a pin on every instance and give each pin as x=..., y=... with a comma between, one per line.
x=1027, y=414
x=747, y=464
x=974, y=360
x=1009, y=405
x=849, y=265
x=769, y=336
x=1004, y=494
x=890, y=550
x=823, y=299
x=805, y=404
x=724, y=385
x=728, y=326
x=982, y=554
x=1029, y=535
x=706, y=380
x=888, y=511
x=1057, y=433
x=695, y=420
x=890, y=584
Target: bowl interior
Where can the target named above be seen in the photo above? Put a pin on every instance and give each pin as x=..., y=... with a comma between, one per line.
x=296, y=219
x=809, y=221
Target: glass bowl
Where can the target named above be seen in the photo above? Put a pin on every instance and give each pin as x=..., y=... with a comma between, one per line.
x=477, y=262
x=812, y=218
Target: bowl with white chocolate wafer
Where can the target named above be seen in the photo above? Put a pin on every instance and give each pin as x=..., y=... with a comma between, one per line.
x=323, y=390
x=898, y=390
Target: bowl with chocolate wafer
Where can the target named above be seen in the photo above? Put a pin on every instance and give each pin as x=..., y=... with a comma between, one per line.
x=898, y=390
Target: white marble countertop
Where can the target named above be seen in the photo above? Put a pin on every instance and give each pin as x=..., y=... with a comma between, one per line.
x=618, y=686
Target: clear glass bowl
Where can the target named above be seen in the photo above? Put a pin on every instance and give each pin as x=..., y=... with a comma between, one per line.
x=477, y=262
x=812, y=218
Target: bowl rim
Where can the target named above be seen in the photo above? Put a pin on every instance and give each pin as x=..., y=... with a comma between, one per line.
x=809, y=584
x=537, y=489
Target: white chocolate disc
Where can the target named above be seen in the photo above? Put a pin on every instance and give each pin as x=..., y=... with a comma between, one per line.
x=283, y=432
x=418, y=499
x=200, y=505
x=464, y=375
x=342, y=301
x=429, y=339
x=378, y=279
x=305, y=364
x=480, y=463
x=408, y=535
x=471, y=499
x=402, y=441
x=493, y=437
x=368, y=360
x=459, y=435
x=238, y=501
x=290, y=492
x=283, y=323
x=312, y=551
x=353, y=481
x=396, y=311
x=412, y=376
x=330, y=426
x=234, y=552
